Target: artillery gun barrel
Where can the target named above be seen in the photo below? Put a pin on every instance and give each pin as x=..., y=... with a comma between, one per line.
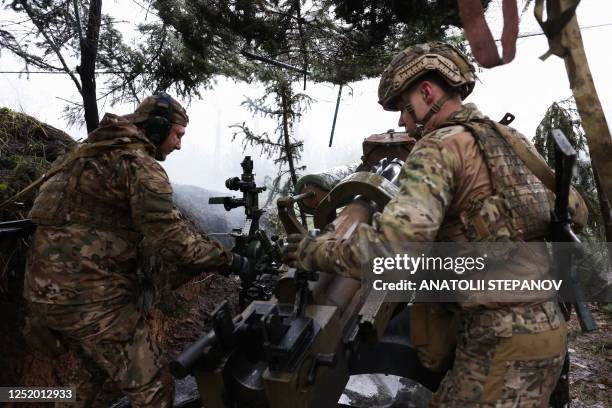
x=343, y=292
x=340, y=291
x=292, y=349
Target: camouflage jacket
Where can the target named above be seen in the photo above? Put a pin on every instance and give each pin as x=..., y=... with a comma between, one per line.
x=105, y=219
x=444, y=176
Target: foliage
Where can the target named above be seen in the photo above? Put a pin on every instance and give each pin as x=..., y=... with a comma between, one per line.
x=284, y=106
x=45, y=35
x=337, y=41
x=27, y=147
x=270, y=105
x=189, y=42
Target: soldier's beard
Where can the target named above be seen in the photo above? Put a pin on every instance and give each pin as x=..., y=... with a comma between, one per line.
x=159, y=156
x=418, y=132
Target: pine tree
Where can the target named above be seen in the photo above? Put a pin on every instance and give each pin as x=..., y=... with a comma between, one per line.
x=335, y=41
x=564, y=116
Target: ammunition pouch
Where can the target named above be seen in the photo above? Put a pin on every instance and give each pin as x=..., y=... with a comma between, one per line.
x=39, y=337
x=487, y=220
x=433, y=334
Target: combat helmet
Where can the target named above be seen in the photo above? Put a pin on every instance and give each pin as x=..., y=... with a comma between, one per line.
x=414, y=62
x=160, y=104
x=156, y=114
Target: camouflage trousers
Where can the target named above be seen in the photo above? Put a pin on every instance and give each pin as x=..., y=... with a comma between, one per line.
x=114, y=345
x=506, y=358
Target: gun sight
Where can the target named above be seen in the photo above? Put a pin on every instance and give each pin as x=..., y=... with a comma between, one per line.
x=235, y=184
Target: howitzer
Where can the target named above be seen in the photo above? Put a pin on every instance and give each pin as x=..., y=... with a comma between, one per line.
x=250, y=240
x=296, y=348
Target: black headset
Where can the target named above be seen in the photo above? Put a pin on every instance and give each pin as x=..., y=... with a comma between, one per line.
x=157, y=126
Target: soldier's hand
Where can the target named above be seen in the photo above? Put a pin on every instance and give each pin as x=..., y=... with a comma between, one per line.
x=242, y=267
x=290, y=248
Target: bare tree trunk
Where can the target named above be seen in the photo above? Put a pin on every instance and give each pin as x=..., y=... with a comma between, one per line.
x=588, y=104
x=89, y=52
x=288, y=147
x=606, y=211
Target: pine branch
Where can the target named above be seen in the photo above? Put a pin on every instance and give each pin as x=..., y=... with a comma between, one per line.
x=50, y=43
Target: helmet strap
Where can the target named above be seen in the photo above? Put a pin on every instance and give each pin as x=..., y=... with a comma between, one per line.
x=435, y=108
x=408, y=108
x=420, y=124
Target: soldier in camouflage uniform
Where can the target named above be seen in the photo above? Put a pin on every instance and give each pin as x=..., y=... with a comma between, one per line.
x=462, y=182
x=106, y=222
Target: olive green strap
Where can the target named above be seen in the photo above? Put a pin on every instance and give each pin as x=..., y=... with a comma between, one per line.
x=435, y=108
x=557, y=21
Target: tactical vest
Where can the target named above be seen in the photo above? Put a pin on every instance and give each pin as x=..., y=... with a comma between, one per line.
x=61, y=201
x=518, y=208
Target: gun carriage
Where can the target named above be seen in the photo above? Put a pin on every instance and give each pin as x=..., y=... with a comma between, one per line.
x=301, y=335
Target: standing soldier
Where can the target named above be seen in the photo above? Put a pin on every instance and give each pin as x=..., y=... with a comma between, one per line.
x=106, y=225
x=462, y=182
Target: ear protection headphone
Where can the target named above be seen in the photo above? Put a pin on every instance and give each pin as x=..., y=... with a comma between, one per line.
x=157, y=126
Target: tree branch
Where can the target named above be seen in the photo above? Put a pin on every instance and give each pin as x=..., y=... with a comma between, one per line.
x=51, y=43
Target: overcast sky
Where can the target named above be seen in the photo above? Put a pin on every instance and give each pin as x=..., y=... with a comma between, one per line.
x=525, y=87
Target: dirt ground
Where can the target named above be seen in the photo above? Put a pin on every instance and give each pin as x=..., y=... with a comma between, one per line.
x=591, y=361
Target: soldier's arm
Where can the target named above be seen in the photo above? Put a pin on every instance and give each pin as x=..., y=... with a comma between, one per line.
x=427, y=185
x=164, y=232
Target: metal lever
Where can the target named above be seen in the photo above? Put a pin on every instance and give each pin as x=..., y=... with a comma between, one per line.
x=320, y=360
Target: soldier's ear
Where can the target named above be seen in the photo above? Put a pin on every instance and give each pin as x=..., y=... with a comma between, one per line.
x=427, y=89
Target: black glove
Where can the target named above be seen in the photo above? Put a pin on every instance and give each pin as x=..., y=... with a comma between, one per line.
x=242, y=267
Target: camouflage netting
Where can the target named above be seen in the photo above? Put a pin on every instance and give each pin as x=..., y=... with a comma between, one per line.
x=27, y=148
